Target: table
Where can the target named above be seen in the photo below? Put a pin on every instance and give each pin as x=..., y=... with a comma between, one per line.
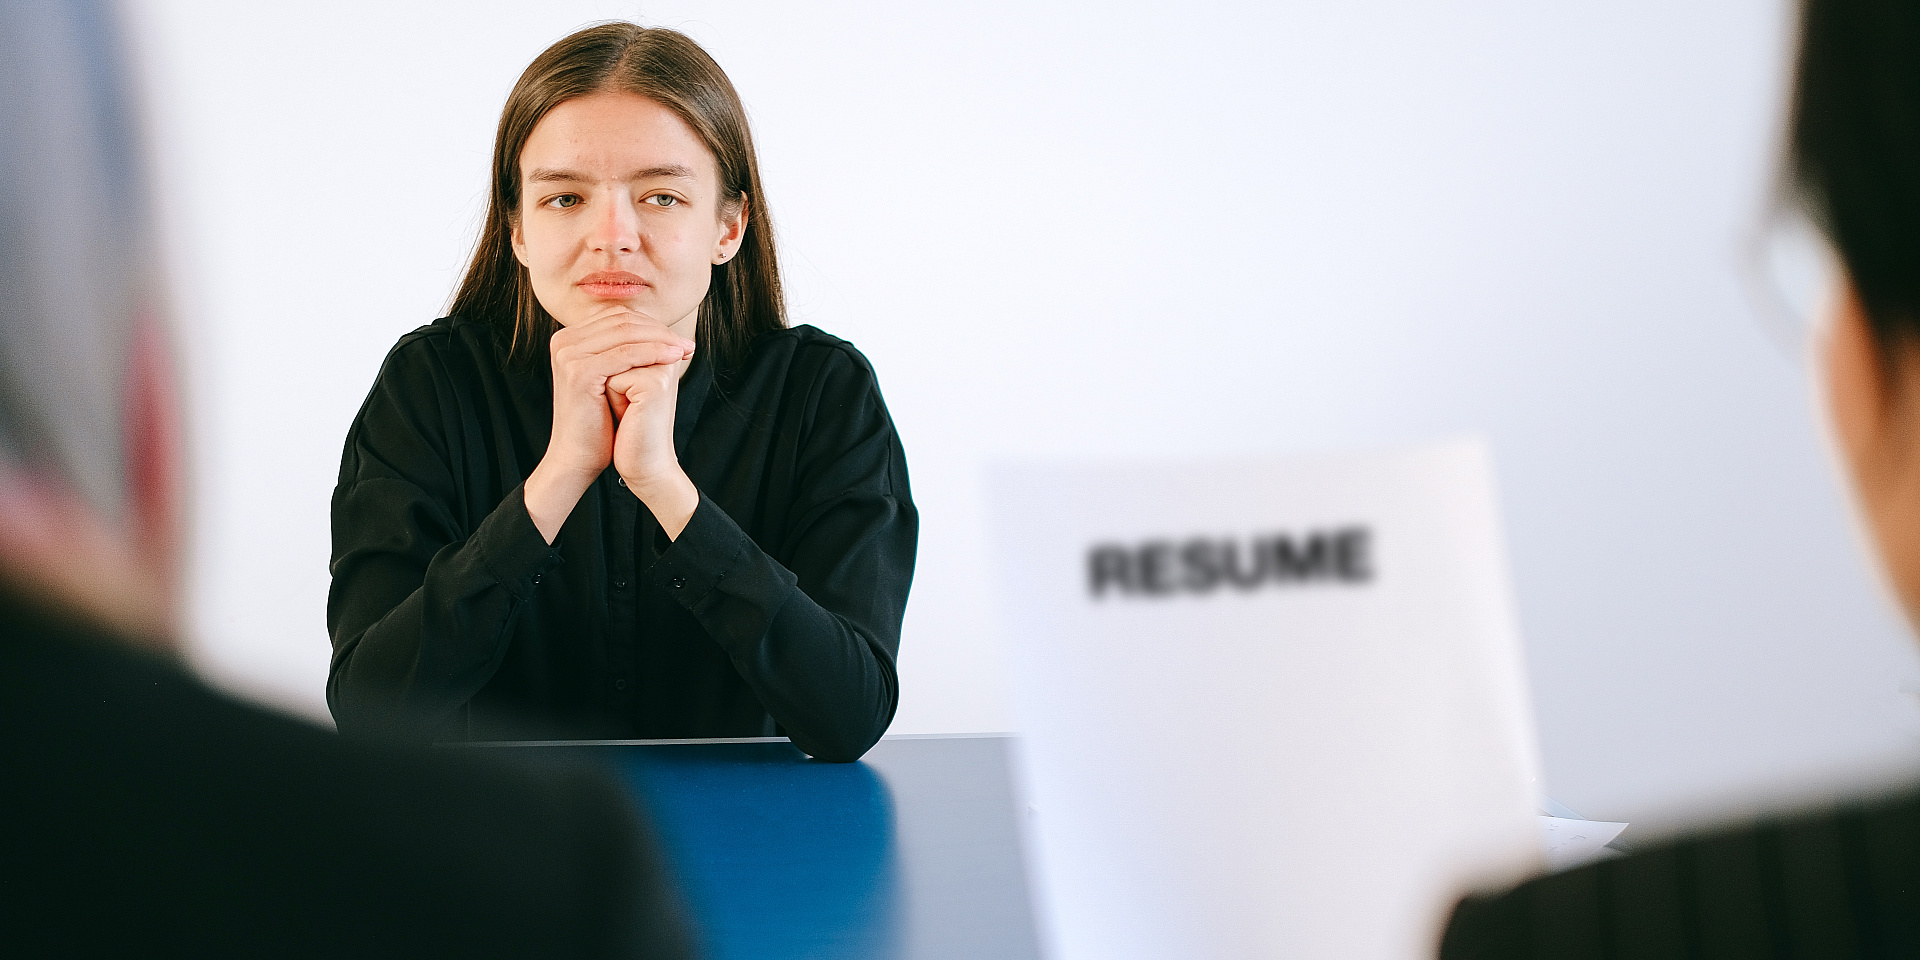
x=911, y=853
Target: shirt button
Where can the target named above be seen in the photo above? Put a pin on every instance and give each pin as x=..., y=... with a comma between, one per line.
x=679, y=582
x=619, y=684
x=536, y=579
x=620, y=583
x=622, y=481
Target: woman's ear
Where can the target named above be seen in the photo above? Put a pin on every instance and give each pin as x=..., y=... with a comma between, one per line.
x=733, y=229
x=1873, y=398
x=1856, y=380
x=517, y=241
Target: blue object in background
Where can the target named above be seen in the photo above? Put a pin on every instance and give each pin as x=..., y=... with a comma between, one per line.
x=911, y=854
x=781, y=856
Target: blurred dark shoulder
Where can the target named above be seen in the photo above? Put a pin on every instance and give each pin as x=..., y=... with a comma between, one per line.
x=145, y=812
x=1839, y=882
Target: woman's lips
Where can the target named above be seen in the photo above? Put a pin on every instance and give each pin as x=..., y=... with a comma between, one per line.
x=611, y=284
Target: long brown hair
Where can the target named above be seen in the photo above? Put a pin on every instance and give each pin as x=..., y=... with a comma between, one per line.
x=667, y=67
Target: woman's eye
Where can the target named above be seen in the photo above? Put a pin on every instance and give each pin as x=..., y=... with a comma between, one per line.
x=662, y=200
x=564, y=201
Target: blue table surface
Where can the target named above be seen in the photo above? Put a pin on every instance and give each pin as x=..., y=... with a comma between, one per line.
x=913, y=852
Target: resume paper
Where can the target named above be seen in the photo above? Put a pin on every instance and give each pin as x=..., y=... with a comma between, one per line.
x=1268, y=708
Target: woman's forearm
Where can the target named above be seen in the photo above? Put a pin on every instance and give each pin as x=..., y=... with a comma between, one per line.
x=551, y=493
x=672, y=501
x=420, y=625
x=814, y=641
x=831, y=686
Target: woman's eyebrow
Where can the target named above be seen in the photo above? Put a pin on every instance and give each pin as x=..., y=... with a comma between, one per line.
x=553, y=175
x=550, y=175
x=673, y=170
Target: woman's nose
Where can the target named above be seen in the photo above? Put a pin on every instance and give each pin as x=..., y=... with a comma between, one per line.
x=617, y=229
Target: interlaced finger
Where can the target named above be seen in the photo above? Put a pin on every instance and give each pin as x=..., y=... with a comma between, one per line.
x=604, y=334
x=625, y=357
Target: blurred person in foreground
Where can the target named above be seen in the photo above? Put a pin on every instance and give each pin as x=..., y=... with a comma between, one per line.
x=141, y=813
x=1841, y=882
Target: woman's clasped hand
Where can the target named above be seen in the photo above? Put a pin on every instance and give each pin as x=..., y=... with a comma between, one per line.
x=616, y=379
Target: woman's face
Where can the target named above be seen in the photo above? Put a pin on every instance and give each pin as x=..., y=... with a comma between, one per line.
x=620, y=207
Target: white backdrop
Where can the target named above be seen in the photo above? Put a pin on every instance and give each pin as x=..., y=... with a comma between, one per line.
x=1107, y=228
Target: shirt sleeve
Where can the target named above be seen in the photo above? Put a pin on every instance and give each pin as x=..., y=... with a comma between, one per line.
x=816, y=636
x=420, y=610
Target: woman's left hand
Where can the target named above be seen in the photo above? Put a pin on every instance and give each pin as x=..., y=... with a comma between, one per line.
x=643, y=401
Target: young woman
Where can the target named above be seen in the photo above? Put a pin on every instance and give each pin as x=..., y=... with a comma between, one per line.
x=613, y=495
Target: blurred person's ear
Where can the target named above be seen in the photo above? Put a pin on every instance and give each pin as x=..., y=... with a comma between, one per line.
x=1873, y=397
x=58, y=554
x=155, y=458
x=61, y=555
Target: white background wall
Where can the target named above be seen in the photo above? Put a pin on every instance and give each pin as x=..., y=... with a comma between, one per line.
x=1107, y=228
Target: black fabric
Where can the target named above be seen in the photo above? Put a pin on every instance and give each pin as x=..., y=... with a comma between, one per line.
x=776, y=612
x=143, y=815
x=1838, y=884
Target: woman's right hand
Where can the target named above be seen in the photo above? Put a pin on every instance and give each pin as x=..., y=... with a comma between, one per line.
x=585, y=355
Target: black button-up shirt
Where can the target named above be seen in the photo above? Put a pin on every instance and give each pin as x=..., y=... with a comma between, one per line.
x=776, y=612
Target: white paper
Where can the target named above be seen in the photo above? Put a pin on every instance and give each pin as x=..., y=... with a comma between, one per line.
x=1210, y=766
x=1570, y=843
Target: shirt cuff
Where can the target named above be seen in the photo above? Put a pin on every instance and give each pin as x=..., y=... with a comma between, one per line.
x=512, y=549
x=708, y=551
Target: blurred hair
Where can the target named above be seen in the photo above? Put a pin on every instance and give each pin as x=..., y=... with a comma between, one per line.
x=666, y=67
x=74, y=256
x=1854, y=149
